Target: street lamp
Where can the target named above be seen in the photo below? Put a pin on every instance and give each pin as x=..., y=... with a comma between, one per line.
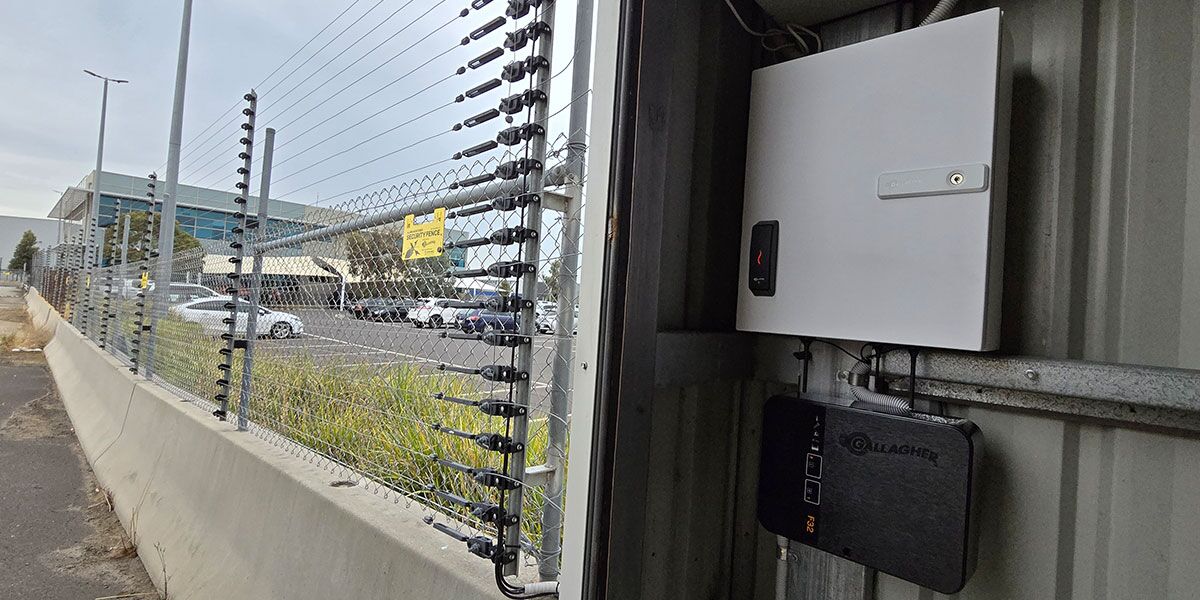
x=94, y=209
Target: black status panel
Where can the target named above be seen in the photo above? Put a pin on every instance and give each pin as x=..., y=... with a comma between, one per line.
x=891, y=492
x=764, y=248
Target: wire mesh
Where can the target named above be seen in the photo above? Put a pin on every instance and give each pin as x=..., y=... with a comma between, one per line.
x=438, y=375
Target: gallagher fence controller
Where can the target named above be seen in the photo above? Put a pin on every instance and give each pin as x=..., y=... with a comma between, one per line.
x=895, y=493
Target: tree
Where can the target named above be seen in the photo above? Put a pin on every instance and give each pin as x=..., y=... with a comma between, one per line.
x=23, y=253
x=375, y=256
x=551, y=279
x=137, y=226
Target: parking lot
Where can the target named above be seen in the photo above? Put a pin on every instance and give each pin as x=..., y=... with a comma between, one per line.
x=333, y=337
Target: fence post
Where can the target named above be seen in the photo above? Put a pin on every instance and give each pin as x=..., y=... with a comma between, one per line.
x=124, y=274
x=82, y=281
x=260, y=225
x=143, y=353
x=568, y=295
x=121, y=274
x=239, y=247
x=102, y=335
x=530, y=253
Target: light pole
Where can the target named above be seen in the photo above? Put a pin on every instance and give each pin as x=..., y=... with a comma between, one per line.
x=94, y=210
x=92, y=224
x=166, y=227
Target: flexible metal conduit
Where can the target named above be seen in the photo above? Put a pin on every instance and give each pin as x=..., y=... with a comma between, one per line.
x=888, y=402
x=939, y=12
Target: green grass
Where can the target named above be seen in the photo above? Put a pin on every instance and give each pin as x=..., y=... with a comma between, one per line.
x=374, y=419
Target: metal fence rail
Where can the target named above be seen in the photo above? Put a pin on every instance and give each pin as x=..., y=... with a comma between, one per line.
x=416, y=337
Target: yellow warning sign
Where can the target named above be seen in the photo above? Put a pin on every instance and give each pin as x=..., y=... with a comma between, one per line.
x=145, y=280
x=424, y=240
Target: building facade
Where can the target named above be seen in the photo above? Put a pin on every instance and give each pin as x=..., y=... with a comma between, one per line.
x=206, y=214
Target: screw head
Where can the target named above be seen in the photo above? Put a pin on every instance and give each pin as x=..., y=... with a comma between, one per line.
x=957, y=178
x=1031, y=375
x=843, y=375
x=584, y=365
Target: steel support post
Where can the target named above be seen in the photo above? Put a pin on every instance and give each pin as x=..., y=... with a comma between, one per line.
x=260, y=226
x=166, y=230
x=239, y=248
x=568, y=296
x=530, y=253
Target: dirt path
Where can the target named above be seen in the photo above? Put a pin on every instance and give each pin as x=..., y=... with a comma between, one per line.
x=58, y=537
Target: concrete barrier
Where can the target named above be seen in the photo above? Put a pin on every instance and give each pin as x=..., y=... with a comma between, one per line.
x=221, y=514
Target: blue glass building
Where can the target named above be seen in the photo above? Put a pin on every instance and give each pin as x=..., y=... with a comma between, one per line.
x=205, y=213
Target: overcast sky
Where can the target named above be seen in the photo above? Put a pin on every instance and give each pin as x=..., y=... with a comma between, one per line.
x=405, y=49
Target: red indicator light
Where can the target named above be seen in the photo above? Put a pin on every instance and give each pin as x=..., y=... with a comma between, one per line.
x=758, y=259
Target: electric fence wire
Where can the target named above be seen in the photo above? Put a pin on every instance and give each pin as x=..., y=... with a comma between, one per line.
x=268, y=78
x=218, y=146
x=352, y=391
x=376, y=183
x=205, y=178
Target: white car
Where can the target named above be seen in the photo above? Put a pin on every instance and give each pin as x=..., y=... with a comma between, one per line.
x=434, y=312
x=548, y=321
x=178, y=293
x=211, y=312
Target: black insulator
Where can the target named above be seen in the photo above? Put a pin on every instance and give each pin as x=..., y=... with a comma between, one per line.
x=485, y=58
x=488, y=27
x=483, y=88
x=482, y=117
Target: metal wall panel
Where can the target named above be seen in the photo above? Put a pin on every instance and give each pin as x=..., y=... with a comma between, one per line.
x=1104, y=201
x=1080, y=511
x=1072, y=509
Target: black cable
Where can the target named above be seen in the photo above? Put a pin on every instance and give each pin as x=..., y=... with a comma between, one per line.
x=912, y=373
x=839, y=347
x=805, y=357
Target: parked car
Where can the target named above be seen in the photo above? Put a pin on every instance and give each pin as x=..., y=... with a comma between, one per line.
x=548, y=322
x=211, y=312
x=179, y=293
x=480, y=321
x=362, y=307
x=435, y=312
x=392, y=310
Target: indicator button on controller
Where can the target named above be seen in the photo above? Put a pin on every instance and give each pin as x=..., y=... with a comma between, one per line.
x=812, y=491
x=812, y=466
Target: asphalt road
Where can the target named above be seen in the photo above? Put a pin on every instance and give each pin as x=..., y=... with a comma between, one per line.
x=336, y=337
x=60, y=540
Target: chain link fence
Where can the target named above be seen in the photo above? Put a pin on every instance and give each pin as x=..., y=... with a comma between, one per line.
x=416, y=339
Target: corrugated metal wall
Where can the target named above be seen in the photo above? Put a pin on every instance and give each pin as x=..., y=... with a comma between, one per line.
x=1104, y=191
x=1080, y=511
x=1072, y=509
x=1103, y=264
